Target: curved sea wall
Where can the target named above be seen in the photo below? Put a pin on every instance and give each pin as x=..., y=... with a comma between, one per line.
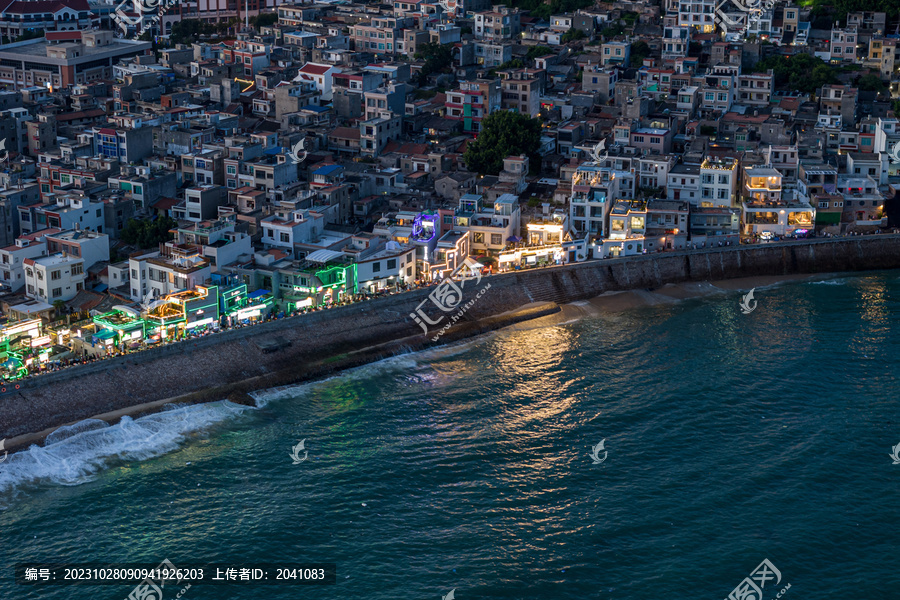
x=236, y=362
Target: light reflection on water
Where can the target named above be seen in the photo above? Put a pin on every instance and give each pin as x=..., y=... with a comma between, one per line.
x=731, y=438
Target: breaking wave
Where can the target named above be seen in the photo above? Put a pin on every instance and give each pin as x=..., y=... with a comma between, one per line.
x=75, y=454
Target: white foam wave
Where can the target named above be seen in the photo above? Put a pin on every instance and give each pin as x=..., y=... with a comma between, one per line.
x=408, y=361
x=404, y=362
x=829, y=282
x=75, y=454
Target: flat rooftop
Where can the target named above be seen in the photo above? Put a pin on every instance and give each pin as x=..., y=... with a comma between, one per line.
x=37, y=48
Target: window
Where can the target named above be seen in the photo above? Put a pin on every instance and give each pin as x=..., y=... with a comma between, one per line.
x=392, y=264
x=376, y=267
x=56, y=293
x=78, y=269
x=284, y=237
x=54, y=275
x=496, y=239
x=40, y=276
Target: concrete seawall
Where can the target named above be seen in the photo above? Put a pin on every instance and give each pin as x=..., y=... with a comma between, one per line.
x=234, y=363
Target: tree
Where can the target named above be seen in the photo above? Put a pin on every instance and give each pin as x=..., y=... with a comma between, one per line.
x=30, y=34
x=572, y=35
x=264, y=20
x=612, y=30
x=801, y=72
x=639, y=51
x=186, y=31
x=839, y=8
x=147, y=233
x=438, y=57
x=538, y=51
x=60, y=307
x=503, y=133
x=539, y=9
x=510, y=64
x=870, y=83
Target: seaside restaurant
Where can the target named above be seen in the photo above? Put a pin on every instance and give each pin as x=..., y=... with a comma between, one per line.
x=164, y=320
x=200, y=307
x=23, y=344
x=255, y=306
x=121, y=325
x=324, y=278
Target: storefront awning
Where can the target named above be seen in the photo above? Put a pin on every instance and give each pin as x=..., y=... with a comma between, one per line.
x=258, y=293
x=105, y=334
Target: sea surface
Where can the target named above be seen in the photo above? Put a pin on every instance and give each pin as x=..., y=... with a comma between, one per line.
x=728, y=439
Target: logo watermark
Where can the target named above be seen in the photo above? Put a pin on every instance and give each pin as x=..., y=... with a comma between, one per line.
x=137, y=13
x=595, y=452
x=298, y=153
x=754, y=9
x=895, y=154
x=148, y=588
x=3, y=442
x=895, y=455
x=596, y=150
x=751, y=588
x=447, y=296
x=450, y=596
x=748, y=304
x=296, y=450
x=5, y=151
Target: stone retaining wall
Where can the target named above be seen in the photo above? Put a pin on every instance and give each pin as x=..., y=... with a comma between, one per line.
x=208, y=367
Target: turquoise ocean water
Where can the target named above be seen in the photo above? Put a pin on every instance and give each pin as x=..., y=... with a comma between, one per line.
x=729, y=439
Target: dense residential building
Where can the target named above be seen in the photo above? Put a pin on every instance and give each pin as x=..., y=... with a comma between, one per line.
x=843, y=43
x=52, y=278
x=472, y=102
x=521, y=91
x=498, y=24
x=161, y=190
x=88, y=58
x=718, y=182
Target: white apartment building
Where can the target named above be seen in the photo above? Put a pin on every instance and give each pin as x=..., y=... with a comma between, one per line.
x=91, y=246
x=787, y=160
x=594, y=189
x=67, y=212
x=698, y=14
x=718, y=182
x=217, y=241
x=653, y=170
x=12, y=258
x=490, y=227
x=683, y=183
x=388, y=264
x=290, y=225
x=54, y=277
x=153, y=273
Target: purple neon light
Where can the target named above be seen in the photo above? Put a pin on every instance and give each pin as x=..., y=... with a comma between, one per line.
x=418, y=228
